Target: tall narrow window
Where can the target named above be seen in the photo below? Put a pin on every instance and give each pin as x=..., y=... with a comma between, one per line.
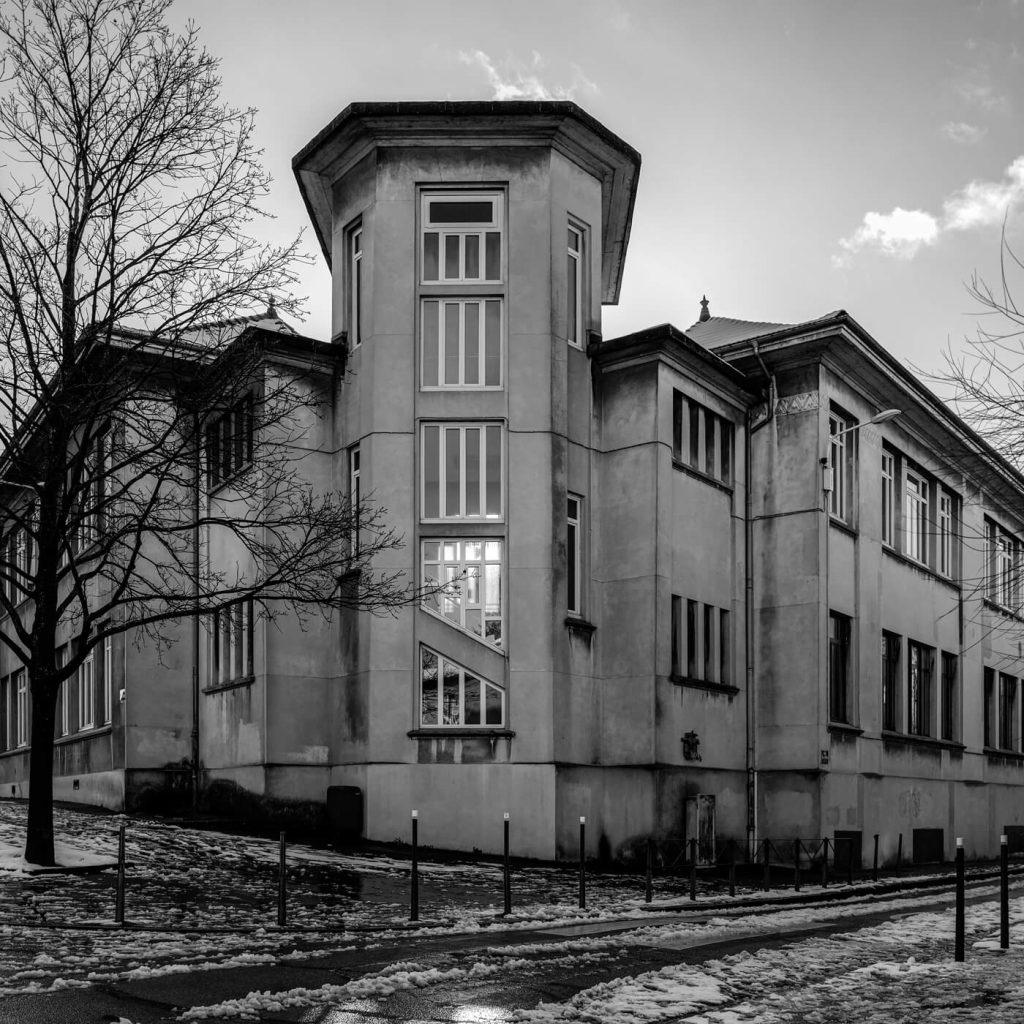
x=86, y=693
x=108, y=677
x=920, y=685
x=915, y=518
x=574, y=287
x=678, y=404
x=232, y=643
x=949, y=695
x=229, y=442
x=355, y=277
x=574, y=555
x=21, y=695
x=691, y=639
x=461, y=237
x=695, y=411
x=462, y=471
x=1007, y=711
x=945, y=538
x=888, y=499
x=1004, y=589
x=988, y=711
x=840, y=461
x=471, y=571
x=461, y=343
x=724, y=648
x=890, y=681
x=65, y=694
x=709, y=643
x=839, y=690
x=677, y=636
x=355, y=495
x=6, y=723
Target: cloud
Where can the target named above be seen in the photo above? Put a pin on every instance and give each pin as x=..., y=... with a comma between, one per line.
x=982, y=95
x=965, y=134
x=903, y=233
x=515, y=80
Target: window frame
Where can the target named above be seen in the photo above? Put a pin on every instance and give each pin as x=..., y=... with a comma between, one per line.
x=889, y=480
x=107, y=682
x=920, y=691
x=462, y=230
x=459, y=580
x=20, y=687
x=892, y=646
x=701, y=436
x=462, y=302
x=574, y=555
x=988, y=730
x=229, y=442
x=354, y=260
x=232, y=644
x=1006, y=725
x=915, y=516
x=576, y=285
x=950, y=686
x=840, y=669
x=87, y=693
x=463, y=673
x=842, y=457
x=490, y=431
x=1004, y=557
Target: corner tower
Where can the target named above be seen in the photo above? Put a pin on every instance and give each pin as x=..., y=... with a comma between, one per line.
x=471, y=247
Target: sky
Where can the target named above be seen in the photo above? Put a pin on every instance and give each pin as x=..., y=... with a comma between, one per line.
x=799, y=156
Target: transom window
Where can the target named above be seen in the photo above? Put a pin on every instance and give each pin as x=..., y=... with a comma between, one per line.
x=462, y=237
x=451, y=695
x=462, y=471
x=471, y=570
x=461, y=343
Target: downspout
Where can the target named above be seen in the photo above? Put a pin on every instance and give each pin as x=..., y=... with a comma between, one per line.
x=748, y=602
x=195, y=617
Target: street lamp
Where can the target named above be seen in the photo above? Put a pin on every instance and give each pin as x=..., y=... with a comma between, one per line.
x=827, y=471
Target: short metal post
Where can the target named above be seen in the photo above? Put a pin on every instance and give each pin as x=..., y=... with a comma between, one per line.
x=796, y=865
x=959, y=942
x=874, y=866
x=899, y=854
x=824, y=863
x=414, y=898
x=119, y=892
x=282, y=883
x=649, y=880
x=849, y=862
x=508, y=872
x=583, y=862
x=693, y=869
x=1004, y=893
x=732, y=867
x=767, y=866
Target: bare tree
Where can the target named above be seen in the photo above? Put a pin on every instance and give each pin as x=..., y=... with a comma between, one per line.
x=161, y=452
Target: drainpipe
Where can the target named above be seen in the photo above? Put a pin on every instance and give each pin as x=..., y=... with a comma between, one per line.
x=195, y=618
x=748, y=602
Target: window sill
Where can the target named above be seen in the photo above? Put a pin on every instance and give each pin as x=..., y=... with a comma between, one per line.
x=1005, y=612
x=925, y=570
x=233, y=684
x=429, y=732
x=909, y=740
x=575, y=624
x=83, y=734
x=842, y=525
x=697, y=474
x=1000, y=756
x=704, y=684
x=24, y=748
x=845, y=729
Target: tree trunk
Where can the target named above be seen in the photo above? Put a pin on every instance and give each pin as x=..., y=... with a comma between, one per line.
x=39, y=836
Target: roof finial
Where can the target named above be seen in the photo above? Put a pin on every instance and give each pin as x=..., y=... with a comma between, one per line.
x=704, y=312
x=271, y=311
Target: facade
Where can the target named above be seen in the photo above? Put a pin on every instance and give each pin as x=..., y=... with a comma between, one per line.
x=680, y=564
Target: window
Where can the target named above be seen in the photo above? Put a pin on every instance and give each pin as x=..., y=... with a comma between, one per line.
x=462, y=471
x=65, y=694
x=18, y=558
x=676, y=668
x=707, y=655
x=915, y=518
x=471, y=570
x=1004, y=555
x=229, y=442
x=461, y=343
x=839, y=689
x=988, y=718
x=1007, y=711
x=574, y=555
x=701, y=439
x=86, y=693
x=21, y=693
x=107, y=694
x=890, y=680
x=451, y=695
x=920, y=678
x=6, y=718
x=232, y=643
x=355, y=494
x=945, y=539
x=709, y=642
x=949, y=695
x=691, y=639
x=461, y=237
x=840, y=462
x=888, y=499
x=576, y=308
x=724, y=648
x=355, y=285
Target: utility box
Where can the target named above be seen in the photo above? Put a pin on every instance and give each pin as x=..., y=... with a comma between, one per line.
x=700, y=825
x=345, y=813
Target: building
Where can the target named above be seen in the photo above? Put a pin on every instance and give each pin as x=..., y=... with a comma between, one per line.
x=683, y=564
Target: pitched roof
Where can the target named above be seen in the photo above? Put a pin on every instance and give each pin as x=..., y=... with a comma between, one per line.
x=721, y=330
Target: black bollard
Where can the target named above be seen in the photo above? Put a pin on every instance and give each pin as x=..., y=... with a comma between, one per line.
x=119, y=893
x=796, y=865
x=508, y=873
x=824, y=863
x=849, y=862
x=959, y=942
x=874, y=865
x=693, y=869
x=767, y=866
x=282, y=884
x=414, y=896
x=649, y=880
x=583, y=862
x=899, y=854
x=1004, y=893
x=732, y=867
